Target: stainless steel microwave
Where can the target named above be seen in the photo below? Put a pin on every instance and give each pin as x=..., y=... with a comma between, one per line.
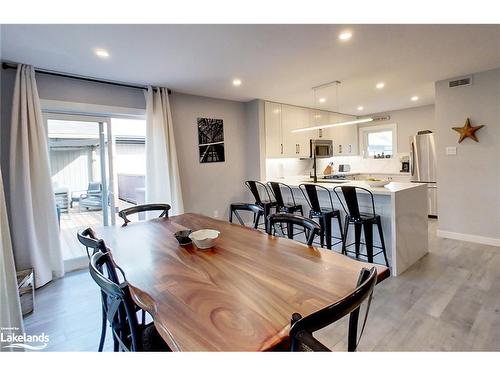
x=322, y=147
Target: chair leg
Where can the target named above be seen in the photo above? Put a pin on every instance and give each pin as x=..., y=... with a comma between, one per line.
x=382, y=242
x=368, y=229
x=328, y=231
x=357, y=237
x=230, y=215
x=339, y=219
x=346, y=232
x=103, y=331
x=289, y=230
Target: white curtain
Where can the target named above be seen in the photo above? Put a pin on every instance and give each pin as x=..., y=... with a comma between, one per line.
x=10, y=308
x=32, y=208
x=162, y=170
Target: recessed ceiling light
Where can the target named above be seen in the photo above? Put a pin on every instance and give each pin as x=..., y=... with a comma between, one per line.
x=322, y=100
x=414, y=98
x=236, y=82
x=102, y=53
x=360, y=108
x=345, y=36
x=380, y=85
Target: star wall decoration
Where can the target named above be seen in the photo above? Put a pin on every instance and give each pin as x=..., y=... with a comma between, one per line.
x=467, y=131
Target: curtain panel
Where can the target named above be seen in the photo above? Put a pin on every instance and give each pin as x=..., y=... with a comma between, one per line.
x=163, y=184
x=32, y=206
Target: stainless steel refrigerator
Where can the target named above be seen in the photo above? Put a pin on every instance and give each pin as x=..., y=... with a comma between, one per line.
x=423, y=166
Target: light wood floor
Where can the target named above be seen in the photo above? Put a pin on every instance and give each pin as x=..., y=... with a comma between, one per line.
x=448, y=301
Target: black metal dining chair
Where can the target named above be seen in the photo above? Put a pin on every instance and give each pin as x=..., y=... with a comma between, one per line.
x=310, y=227
x=163, y=207
x=349, y=201
x=120, y=310
x=324, y=214
x=88, y=238
x=236, y=208
x=303, y=328
x=277, y=189
x=262, y=197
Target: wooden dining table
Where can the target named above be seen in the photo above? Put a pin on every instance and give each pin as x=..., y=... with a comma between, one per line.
x=238, y=295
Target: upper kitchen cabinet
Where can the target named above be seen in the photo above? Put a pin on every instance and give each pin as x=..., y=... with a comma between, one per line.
x=318, y=118
x=274, y=141
x=295, y=145
x=345, y=138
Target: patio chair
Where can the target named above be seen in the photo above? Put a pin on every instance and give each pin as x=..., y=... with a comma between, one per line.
x=92, y=198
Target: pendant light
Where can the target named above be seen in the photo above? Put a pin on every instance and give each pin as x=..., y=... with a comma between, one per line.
x=342, y=123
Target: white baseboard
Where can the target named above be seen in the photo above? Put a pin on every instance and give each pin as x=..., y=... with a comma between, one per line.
x=469, y=237
x=74, y=264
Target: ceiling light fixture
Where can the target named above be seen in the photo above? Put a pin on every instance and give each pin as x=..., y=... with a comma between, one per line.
x=360, y=108
x=102, y=53
x=322, y=100
x=345, y=36
x=380, y=85
x=236, y=82
x=326, y=126
x=414, y=98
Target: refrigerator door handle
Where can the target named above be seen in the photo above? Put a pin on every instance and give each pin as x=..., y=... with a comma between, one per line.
x=412, y=157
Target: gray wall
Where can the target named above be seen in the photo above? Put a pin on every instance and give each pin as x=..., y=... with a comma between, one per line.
x=210, y=187
x=409, y=121
x=469, y=182
x=255, y=140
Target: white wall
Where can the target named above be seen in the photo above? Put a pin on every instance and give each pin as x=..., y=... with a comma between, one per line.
x=409, y=121
x=210, y=187
x=469, y=182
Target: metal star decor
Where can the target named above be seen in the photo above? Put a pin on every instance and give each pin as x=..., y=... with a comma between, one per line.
x=468, y=131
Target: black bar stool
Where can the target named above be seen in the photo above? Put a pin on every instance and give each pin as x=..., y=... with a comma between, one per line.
x=250, y=207
x=257, y=189
x=281, y=206
x=324, y=214
x=364, y=221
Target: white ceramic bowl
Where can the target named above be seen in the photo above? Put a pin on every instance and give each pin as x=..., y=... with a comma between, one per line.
x=377, y=183
x=204, y=238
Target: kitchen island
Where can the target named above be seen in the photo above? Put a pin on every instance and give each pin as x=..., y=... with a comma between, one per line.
x=403, y=210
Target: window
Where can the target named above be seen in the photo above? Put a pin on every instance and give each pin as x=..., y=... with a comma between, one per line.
x=378, y=141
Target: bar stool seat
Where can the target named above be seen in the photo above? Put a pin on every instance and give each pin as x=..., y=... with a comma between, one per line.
x=257, y=211
x=361, y=221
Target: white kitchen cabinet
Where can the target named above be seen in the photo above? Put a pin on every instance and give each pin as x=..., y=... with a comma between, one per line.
x=295, y=145
x=317, y=118
x=274, y=141
x=345, y=138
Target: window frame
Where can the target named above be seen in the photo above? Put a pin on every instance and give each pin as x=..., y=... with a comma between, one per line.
x=363, y=137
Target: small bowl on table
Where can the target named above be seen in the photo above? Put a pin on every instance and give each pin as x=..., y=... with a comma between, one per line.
x=182, y=237
x=377, y=182
x=204, y=238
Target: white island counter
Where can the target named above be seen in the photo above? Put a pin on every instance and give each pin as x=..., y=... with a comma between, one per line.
x=403, y=210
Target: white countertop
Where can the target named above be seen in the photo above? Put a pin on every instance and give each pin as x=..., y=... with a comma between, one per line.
x=389, y=189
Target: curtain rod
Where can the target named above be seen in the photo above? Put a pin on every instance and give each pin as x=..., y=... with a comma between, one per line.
x=6, y=65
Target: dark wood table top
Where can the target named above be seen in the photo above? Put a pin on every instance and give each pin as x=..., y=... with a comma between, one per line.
x=237, y=296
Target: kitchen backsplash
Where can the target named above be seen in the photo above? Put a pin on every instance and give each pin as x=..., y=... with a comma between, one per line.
x=297, y=167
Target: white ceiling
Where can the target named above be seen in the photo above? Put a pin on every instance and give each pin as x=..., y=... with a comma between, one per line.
x=274, y=62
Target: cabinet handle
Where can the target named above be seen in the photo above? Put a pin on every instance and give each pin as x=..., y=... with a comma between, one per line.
x=282, y=148
x=320, y=133
x=298, y=148
x=350, y=149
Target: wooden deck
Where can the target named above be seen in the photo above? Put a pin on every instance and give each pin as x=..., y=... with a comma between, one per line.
x=74, y=220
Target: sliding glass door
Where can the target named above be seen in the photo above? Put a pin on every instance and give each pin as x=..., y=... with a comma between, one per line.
x=98, y=167
x=80, y=153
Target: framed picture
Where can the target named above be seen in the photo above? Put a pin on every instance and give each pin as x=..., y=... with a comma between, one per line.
x=211, y=140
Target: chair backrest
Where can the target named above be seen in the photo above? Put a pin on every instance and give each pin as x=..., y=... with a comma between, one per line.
x=248, y=207
x=118, y=305
x=257, y=189
x=275, y=188
x=94, y=188
x=163, y=207
x=302, y=328
x=310, y=192
x=349, y=200
x=310, y=227
x=88, y=238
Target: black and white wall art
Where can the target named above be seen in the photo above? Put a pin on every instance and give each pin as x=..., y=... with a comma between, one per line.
x=211, y=140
